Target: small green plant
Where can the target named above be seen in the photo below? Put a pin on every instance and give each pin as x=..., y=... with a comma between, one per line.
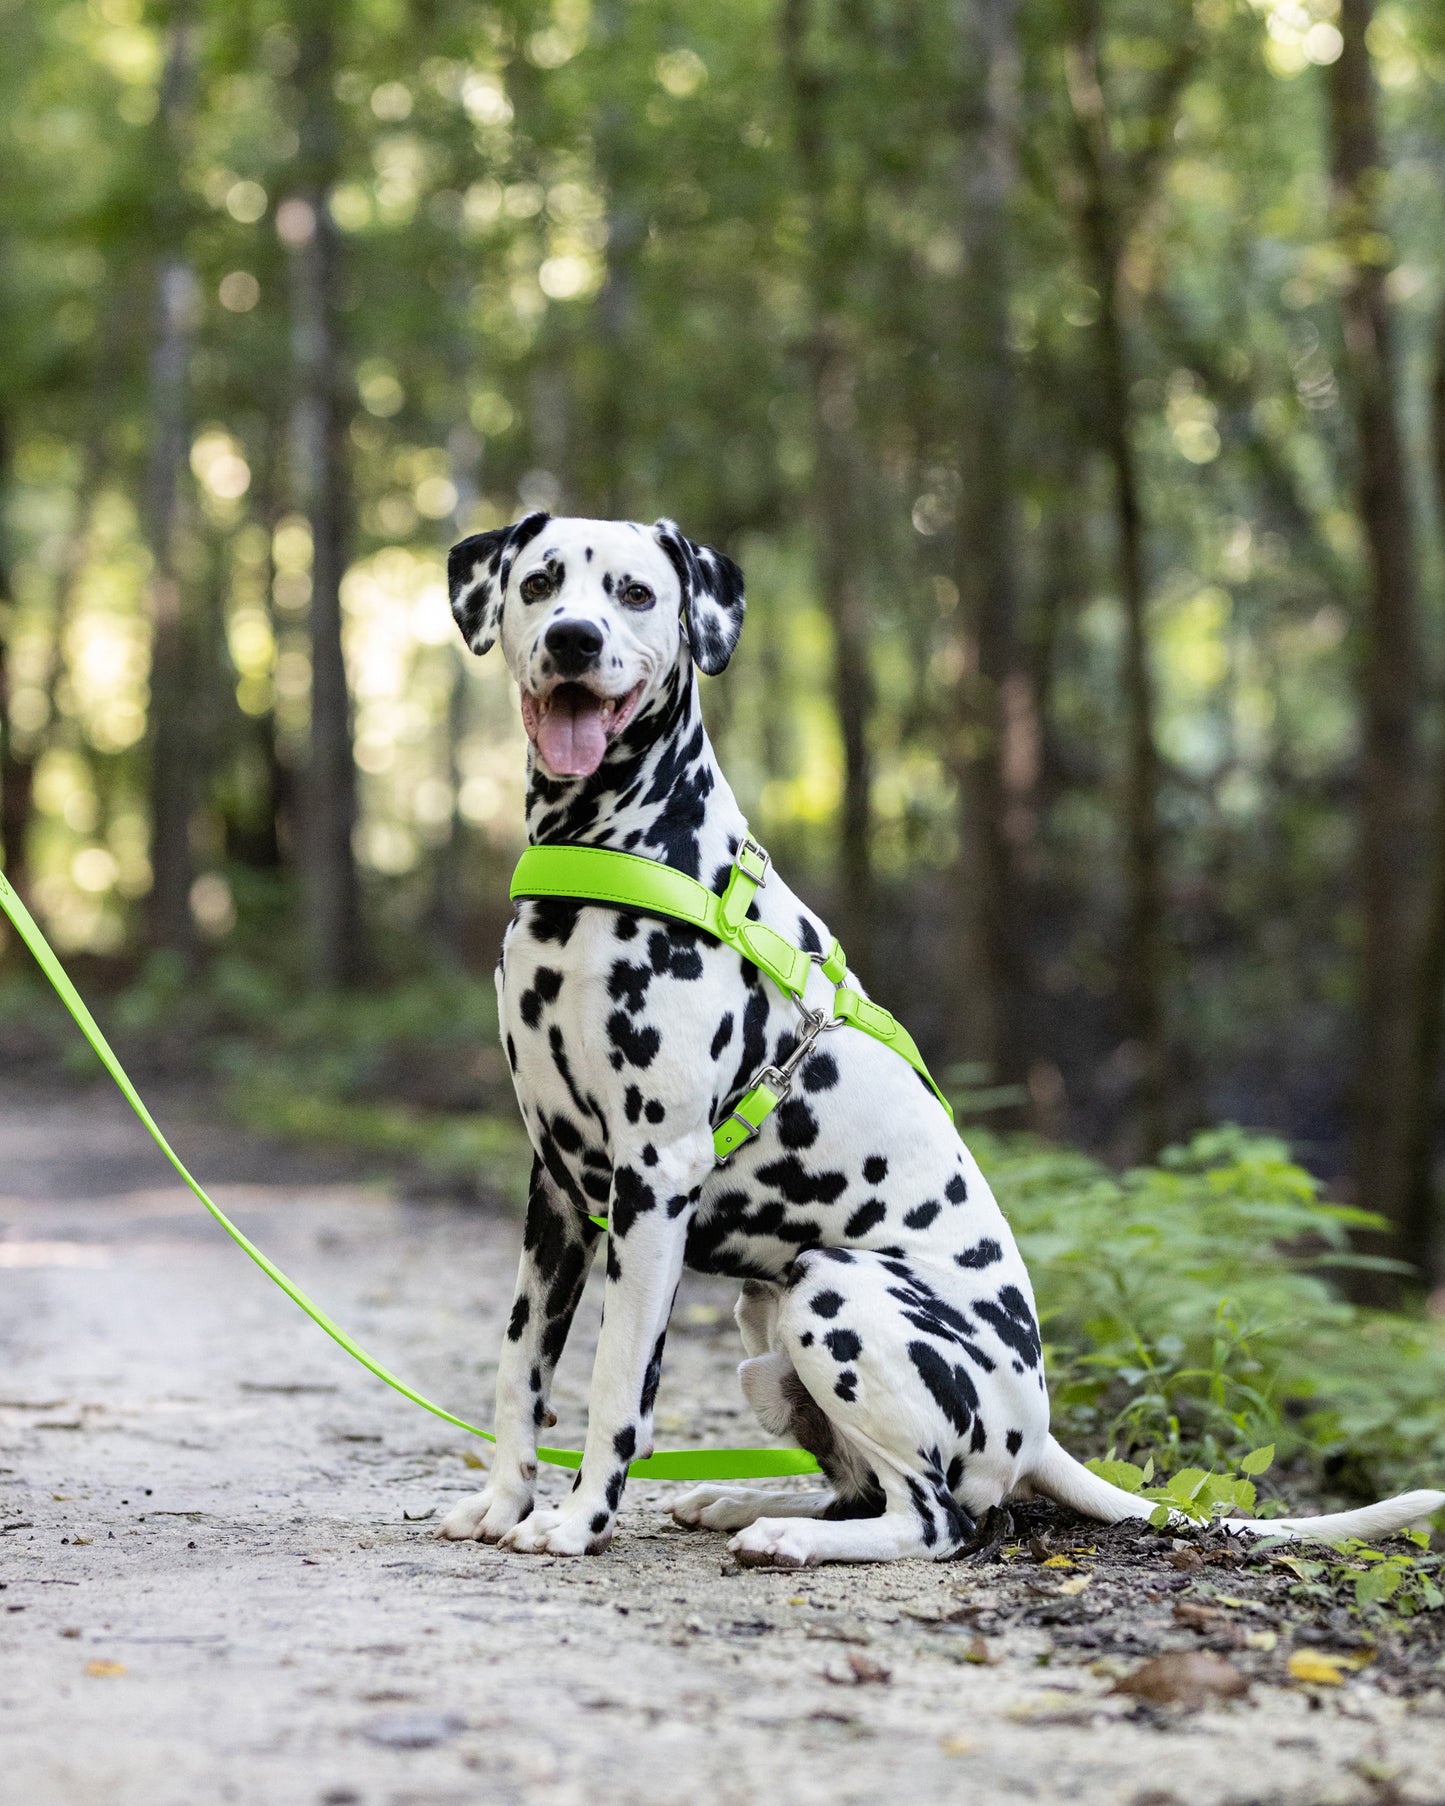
x=1370, y=1583
x=1193, y=1492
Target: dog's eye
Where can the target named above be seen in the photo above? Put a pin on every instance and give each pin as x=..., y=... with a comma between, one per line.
x=536, y=585
x=637, y=595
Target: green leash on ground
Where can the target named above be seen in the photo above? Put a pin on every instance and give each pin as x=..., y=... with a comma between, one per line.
x=674, y=1464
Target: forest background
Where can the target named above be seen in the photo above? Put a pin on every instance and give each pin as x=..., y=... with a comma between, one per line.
x=1068, y=376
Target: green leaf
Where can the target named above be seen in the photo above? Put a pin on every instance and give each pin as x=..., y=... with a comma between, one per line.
x=1377, y=1585
x=1258, y=1460
x=1122, y=1474
x=1187, y=1484
x=1159, y=1517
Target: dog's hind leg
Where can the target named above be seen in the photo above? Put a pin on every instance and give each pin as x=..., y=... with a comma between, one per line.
x=774, y=1391
x=756, y=1315
x=876, y=1429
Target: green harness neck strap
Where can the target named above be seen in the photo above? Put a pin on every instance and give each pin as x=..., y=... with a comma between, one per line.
x=625, y=881
x=673, y=1464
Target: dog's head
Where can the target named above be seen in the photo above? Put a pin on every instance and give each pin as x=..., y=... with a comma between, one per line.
x=594, y=618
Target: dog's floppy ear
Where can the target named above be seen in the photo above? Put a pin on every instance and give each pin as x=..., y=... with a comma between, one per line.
x=712, y=597
x=477, y=571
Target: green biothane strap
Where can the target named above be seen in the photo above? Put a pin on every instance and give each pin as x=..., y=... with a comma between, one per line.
x=598, y=875
x=673, y=1464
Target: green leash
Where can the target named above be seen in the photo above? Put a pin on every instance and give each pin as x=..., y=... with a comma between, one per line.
x=674, y=1464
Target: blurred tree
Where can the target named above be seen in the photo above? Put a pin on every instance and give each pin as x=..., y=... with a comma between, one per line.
x=176, y=747
x=321, y=414
x=1390, y=657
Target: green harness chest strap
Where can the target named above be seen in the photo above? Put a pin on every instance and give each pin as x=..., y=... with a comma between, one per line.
x=625, y=881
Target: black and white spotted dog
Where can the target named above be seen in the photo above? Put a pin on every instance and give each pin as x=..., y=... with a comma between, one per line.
x=886, y=1314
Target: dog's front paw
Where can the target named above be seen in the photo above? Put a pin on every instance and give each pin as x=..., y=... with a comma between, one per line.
x=776, y=1542
x=485, y=1516
x=553, y=1530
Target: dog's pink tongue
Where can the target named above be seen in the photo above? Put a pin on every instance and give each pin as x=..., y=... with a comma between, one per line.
x=570, y=736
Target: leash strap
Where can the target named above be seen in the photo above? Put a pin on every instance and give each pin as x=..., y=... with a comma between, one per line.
x=673, y=1464
x=626, y=881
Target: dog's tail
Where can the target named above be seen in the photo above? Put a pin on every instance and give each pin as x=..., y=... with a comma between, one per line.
x=1058, y=1476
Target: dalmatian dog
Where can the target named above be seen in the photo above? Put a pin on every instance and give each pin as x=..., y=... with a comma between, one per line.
x=887, y=1318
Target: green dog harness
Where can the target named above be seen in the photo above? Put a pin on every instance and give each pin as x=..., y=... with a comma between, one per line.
x=625, y=881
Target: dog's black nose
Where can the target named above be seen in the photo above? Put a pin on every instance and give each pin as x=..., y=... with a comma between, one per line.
x=574, y=645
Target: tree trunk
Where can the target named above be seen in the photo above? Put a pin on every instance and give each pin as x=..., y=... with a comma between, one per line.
x=1103, y=232
x=1419, y=1220
x=616, y=323
x=16, y=773
x=997, y=769
x=174, y=749
x=836, y=487
x=1389, y=775
x=320, y=418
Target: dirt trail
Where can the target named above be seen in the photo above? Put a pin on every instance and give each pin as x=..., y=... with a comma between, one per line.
x=219, y=1580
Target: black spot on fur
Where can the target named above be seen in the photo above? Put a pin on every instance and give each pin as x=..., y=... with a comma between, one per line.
x=627, y=984
x=632, y=1103
x=844, y=1344
x=631, y=1196
x=798, y=1185
x=949, y=1385
x=826, y=1304
x=808, y=936
x=865, y=1218
x=600, y=1522
x=982, y=1254
x=875, y=1169
x=637, y=1046
x=1013, y=1323
x=922, y=1214
x=521, y=1311
x=624, y=1444
x=1014, y=1441
x=820, y=1072
x=723, y=1035
x=797, y=1125
x=956, y=1191
x=846, y=1385
x=654, y=1111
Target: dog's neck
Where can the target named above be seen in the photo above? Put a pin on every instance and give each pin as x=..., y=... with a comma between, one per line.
x=659, y=791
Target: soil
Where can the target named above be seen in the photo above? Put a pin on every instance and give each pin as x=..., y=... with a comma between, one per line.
x=218, y=1580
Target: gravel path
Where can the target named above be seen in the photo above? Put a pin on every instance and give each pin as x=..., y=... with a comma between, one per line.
x=220, y=1584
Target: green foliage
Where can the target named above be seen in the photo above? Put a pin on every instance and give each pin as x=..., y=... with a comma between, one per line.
x=1188, y=1310
x=1192, y=1492
x=1371, y=1584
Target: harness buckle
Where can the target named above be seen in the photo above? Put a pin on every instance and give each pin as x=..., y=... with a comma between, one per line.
x=752, y=860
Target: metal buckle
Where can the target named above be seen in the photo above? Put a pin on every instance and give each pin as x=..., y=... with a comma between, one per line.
x=749, y=849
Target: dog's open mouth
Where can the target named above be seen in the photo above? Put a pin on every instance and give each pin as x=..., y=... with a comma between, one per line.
x=571, y=727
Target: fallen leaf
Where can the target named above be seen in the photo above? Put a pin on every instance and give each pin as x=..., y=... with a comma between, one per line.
x=798, y=1599
x=866, y=1670
x=1324, y=1668
x=417, y=1517
x=471, y=1459
x=1185, y=1677
x=104, y=1671
x=83, y=1541
x=1052, y=1706
x=1188, y=1561
x=1076, y=1585
x=977, y=1651
x=959, y=1746
x=1058, y=1561
x=1039, y=1547
x=1261, y=1639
